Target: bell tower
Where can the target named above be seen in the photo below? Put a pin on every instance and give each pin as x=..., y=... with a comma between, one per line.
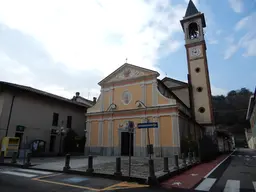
x=193, y=24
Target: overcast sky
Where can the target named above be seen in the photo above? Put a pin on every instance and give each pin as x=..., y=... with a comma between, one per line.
x=65, y=46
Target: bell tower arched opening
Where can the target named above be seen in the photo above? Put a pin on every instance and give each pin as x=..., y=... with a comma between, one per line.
x=193, y=31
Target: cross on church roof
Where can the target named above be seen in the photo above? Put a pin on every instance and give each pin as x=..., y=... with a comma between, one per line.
x=191, y=9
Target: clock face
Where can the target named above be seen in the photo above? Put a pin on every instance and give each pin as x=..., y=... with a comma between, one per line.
x=195, y=51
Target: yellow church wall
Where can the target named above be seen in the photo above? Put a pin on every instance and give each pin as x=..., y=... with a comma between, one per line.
x=162, y=99
x=149, y=95
x=115, y=131
x=166, y=131
x=138, y=137
x=105, y=134
x=106, y=100
x=94, y=133
x=135, y=91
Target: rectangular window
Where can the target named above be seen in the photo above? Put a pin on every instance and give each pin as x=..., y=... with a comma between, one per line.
x=55, y=119
x=69, y=122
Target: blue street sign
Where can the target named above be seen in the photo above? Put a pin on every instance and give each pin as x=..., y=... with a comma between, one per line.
x=147, y=125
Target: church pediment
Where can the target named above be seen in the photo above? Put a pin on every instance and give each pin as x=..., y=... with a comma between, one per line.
x=128, y=71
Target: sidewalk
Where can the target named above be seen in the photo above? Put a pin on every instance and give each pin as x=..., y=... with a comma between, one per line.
x=57, y=164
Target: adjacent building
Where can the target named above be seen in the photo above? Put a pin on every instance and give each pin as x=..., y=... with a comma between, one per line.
x=32, y=114
x=182, y=110
x=250, y=133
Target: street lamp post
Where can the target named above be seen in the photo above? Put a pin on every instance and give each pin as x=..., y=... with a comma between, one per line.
x=60, y=132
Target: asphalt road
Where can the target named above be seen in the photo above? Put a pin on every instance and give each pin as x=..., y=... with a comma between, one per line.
x=237, y=173
x=27, y=180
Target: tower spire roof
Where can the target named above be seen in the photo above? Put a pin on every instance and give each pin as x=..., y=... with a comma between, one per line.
x=191, y=9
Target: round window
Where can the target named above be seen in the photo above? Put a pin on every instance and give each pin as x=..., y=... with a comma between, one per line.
x=126, y=97
x=201, y=109
x=199, y=89
x=197, y=69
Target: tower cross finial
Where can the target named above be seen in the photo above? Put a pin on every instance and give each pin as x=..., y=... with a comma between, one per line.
x=126, y=59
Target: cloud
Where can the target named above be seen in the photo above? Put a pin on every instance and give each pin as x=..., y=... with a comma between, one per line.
x=230, y=51
x=63, y=47
x=248, y=40
x=236, y=5
x=218, y=91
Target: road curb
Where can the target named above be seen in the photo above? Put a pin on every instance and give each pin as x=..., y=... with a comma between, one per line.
x=176, y=172
x=14, y=165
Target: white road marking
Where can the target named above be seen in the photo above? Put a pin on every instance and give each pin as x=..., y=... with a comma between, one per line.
x=232, y=155
x=177, y=183
x=206, y=184
x=254, y=156
x=254, y=185
x=194, y=174
x=35, y=171
x=218, y=165
x=232, y=186
x=239, y=155
x=18, y=174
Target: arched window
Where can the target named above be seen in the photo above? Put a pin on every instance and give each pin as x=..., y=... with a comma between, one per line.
x=193, y=31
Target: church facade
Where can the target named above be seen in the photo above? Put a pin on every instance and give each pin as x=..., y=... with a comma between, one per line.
x=132, y=93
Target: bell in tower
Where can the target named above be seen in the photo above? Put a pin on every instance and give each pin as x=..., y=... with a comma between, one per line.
x=193, y=23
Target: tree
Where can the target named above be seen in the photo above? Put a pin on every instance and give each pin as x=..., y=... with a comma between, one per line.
x=230, y=111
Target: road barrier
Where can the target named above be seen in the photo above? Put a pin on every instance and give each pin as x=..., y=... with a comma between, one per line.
x=118, y=167
x=184, y=163
x=90, y=164
x=67, y=163
x=14, y=158
x=166, y=166
x=176, y=162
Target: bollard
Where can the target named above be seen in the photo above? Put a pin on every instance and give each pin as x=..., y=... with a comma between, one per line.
x=176, y=162
x=194, y=157
x=189, y=158
x=14, y=157
x=166, y=166
x=2, y=157
x=90, y=164
x=118, y=167
x=184, y=163
x=28, y=163
x=152, y=180
x=67, y=162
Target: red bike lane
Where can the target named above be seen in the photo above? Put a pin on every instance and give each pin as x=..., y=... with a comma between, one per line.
x=191, y=177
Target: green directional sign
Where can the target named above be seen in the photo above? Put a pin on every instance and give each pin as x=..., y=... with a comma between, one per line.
x=20, y=128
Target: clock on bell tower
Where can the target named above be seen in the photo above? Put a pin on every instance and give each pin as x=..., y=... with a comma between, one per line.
x=193, y=24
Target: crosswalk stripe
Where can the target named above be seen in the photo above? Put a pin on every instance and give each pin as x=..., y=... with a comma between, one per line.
x=206, y=184
x=18, y=174
x=232, y=186
x=35, y=171
x=254, y=185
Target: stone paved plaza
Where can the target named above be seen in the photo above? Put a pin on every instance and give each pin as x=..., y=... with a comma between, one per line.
x=139, y=167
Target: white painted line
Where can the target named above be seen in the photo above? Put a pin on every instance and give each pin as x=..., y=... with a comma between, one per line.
x=218, y=165
x=18, y=174
x=206, y=184
x=254, y=185
x=35, y=171
x=254, y=156
x=232, y=155
x=232, y=186
x=239, y=155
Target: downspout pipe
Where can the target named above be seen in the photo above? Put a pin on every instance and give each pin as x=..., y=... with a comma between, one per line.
x=10, y=115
